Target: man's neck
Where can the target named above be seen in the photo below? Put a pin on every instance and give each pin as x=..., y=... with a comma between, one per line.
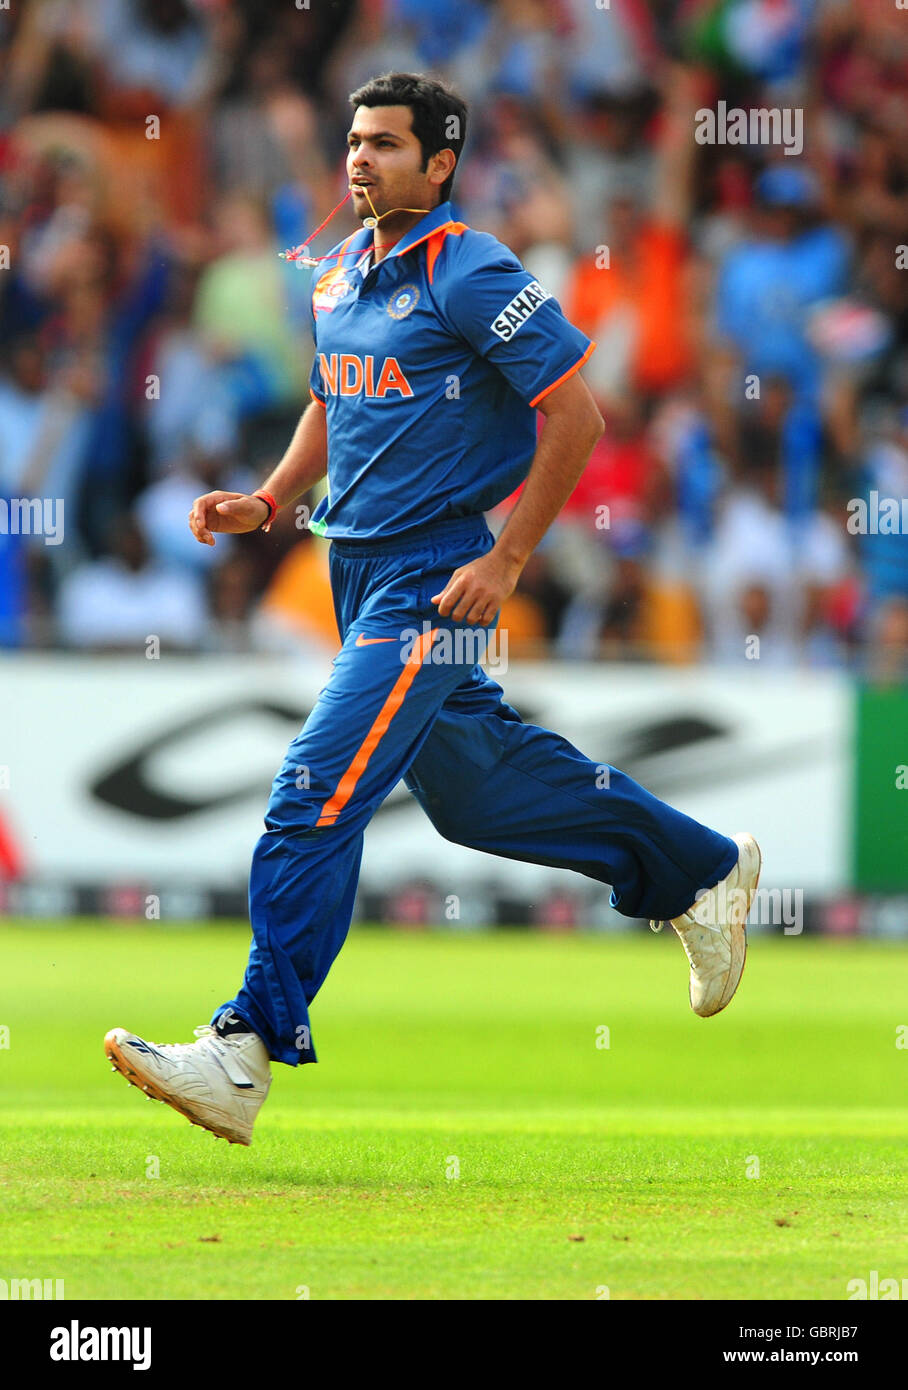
x=393, y=229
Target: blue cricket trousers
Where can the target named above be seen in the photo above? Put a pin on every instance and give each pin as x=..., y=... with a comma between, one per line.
x=407, y=698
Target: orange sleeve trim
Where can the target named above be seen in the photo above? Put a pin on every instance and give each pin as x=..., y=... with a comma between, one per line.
x=347, y=783
x=318, y=400
x=436, y=242
x=564, y=375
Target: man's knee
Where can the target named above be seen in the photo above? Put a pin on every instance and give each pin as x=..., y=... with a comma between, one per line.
x=447, y=812
x=298, y=795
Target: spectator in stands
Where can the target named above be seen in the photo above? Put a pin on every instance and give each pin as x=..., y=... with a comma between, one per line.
x=191, y=405
x=44, y=429
x=239, y=311
x=768, y=284
x=629, y=292
x=121, y=601
x=884, y=551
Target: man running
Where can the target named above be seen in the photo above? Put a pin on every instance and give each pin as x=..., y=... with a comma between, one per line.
x=434, y=350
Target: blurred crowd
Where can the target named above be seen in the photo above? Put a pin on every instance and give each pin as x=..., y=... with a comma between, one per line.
x=750, y=305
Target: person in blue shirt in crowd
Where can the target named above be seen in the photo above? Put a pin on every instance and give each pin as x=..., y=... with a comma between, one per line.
x=769, y=283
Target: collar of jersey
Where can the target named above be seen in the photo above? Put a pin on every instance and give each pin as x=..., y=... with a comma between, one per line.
x=438, y=217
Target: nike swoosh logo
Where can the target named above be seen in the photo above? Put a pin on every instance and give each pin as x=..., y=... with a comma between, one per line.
x=364, y=641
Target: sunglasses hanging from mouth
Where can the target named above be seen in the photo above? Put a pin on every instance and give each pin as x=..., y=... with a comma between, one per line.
x=299, y=254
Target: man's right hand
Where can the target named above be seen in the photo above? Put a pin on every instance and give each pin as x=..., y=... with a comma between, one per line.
x=233, y=512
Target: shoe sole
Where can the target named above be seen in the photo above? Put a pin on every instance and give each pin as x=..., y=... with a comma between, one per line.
x=738, y=948
x=150, y=1088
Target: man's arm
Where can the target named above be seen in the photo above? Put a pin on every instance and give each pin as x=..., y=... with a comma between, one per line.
x=476, y=591
x=305, y=463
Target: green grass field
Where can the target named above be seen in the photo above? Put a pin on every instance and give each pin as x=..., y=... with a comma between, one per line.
x=580, y=1167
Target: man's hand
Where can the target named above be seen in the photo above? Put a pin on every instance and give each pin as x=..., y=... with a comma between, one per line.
x=226, y=511
x=476, y=591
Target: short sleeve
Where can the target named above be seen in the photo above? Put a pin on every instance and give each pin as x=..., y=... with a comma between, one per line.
x=511, y=320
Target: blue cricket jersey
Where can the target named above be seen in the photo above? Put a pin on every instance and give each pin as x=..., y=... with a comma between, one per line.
x=429, y=365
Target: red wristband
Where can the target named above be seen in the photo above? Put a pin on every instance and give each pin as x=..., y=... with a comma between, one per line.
x=272, y=509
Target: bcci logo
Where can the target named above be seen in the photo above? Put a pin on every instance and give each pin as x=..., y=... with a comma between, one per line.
x=404, y=302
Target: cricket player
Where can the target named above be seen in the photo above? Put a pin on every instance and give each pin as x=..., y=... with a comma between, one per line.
x=434, y=350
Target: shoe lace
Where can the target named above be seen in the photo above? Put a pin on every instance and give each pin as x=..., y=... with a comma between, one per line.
x=203, y=1031
x=692, y=921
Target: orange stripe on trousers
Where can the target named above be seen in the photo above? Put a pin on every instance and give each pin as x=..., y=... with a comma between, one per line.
x=347, y=783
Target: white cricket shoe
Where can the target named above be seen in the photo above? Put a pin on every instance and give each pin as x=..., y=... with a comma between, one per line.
x=713, y=932
x=218, y=1082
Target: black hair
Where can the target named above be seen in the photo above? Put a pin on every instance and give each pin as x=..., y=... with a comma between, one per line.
x=439, y=115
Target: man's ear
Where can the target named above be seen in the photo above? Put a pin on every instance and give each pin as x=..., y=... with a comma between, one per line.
x=441, y=167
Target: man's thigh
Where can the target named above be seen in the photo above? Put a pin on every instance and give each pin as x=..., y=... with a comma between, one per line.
x=368, y=724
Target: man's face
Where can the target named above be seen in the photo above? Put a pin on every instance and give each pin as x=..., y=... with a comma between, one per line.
x=383, y=153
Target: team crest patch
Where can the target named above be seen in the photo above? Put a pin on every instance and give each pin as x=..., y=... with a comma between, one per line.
x=331, y=287
x=403, y=302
